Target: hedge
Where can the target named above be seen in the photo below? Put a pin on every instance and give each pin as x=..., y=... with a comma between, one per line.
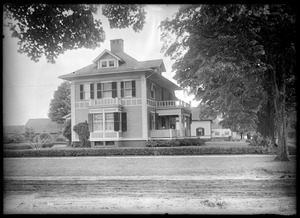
x=175, y=143
x=188, y=150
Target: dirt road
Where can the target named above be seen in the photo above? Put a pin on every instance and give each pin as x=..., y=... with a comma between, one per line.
x=244, y=188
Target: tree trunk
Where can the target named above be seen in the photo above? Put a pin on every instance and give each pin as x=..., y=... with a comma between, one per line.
x=282, y=152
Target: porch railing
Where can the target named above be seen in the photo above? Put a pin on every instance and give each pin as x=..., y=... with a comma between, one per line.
x=164, y=133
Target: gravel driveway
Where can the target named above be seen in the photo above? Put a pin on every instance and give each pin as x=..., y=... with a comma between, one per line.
x=234, y=184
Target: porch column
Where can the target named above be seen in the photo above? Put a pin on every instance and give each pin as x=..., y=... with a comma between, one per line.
x=180, y=125
x=72, y=111
x=144, y=108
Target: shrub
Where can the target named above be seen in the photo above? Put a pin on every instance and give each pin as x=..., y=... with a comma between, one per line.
x=175, y=143
x=67, y=131
x=82, y=130
x=22, y=146
x=60, y=138
x=79, y=145
x=29, y=134
x=46, y=137
x=13, y=138
x=41, y=141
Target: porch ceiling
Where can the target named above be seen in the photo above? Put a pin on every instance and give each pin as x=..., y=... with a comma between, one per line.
x=169, y=112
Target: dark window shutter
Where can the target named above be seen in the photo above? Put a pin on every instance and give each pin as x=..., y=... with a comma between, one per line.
x=150, y=122
x=116, y=121
x=114, y=89
x=156, y=121
x=81, y=92
x=133, y=93
x=122, y=89
x=92, y=91
x=90, y=118
x=99, y=90
x=124, y=122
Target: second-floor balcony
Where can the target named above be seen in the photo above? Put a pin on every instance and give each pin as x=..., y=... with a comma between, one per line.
x=105, y=101
x=137, y=101
x=168, y=104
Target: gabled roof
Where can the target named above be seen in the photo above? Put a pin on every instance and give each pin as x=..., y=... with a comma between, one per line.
x=154, y=64
x=13, y=129
x=196, y=114
x=129, y=65
x=105, y=51
x=44, y=125
x=216, y=126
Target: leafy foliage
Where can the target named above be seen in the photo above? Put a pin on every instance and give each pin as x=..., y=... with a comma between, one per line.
x=39, y=141
x=29, y=134
x=60, y=105
x=60, y=138
x=123, y=16
x=82, y=130
x=67, y=131
x=13, y=138
x=46, y=137
x=51, y=29
x=191, y=150
x=224, y=55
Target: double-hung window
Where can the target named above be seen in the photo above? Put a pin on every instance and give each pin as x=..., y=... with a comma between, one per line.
x=98, y=122
x=128, y=89
x=85, y=91
x=109, y=121
x=107, y=90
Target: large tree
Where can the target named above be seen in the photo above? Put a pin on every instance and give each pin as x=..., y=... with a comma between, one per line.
x=52, y=29
x=236, y=58
x=60, y=105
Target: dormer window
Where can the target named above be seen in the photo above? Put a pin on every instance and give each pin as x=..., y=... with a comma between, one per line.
x=107, y=63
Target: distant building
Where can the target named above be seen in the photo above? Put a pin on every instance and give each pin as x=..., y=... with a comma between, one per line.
x=201, y=128
x=220, y=133
x=13, y=129
x=41, y=125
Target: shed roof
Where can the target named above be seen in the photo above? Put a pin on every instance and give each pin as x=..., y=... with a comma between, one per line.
x=196, y=114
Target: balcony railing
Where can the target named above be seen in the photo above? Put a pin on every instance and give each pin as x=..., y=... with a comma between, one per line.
x=167, y=104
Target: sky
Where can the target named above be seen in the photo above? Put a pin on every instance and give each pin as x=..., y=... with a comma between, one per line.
x=28, y=87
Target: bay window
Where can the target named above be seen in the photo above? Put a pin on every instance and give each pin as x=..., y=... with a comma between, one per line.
x=109, y=121
x=98, y=122
x=113, y=121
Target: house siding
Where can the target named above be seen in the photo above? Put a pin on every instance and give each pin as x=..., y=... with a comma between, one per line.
x=134, y=126
x=206, y=125
x=131, y=105
x=110, y=78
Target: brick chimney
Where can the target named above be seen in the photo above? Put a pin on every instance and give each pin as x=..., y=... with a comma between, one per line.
x=116, y=45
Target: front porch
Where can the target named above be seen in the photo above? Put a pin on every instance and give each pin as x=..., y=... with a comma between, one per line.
x=170, y=123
